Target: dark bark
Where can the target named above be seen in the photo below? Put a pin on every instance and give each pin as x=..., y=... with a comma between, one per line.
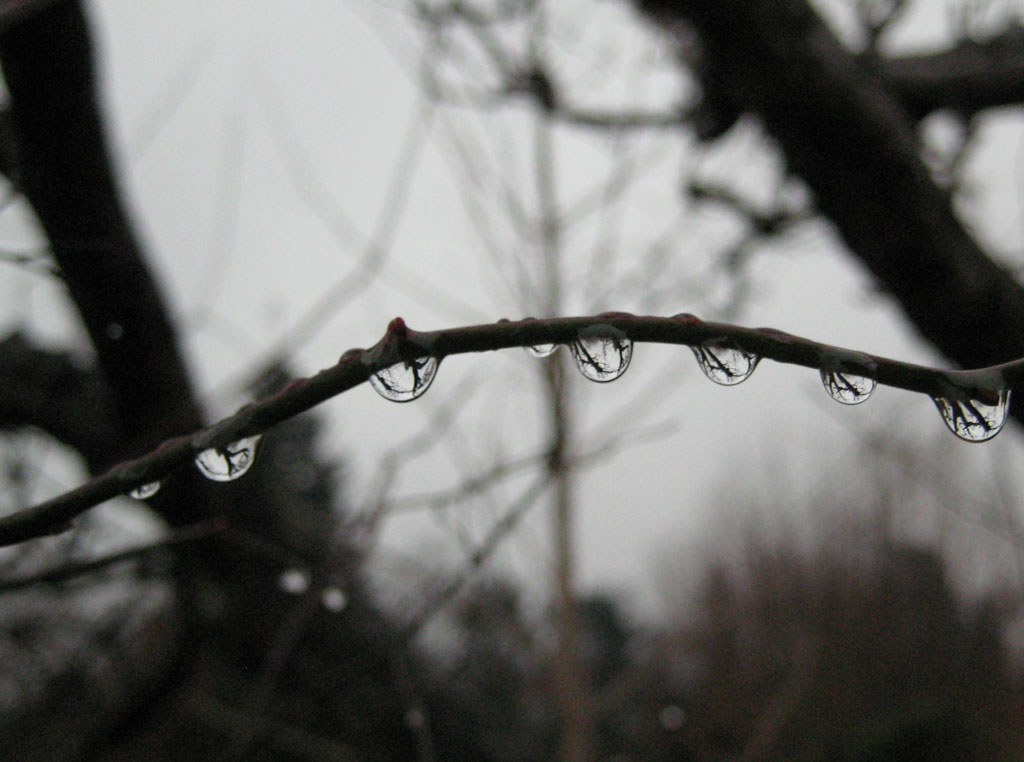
x=65, y=171
x=967, y=78
x=140, y=394
x=849, y=136
x=48, y=391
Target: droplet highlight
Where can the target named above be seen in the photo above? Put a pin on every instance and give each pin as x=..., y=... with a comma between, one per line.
x=406, y=380
x=145, y=491
x=724, y=365
x=541, y=351
x=847, y=388
x=333, y=599
x=602, y=357
x=972, y=419
x=225, y=464
x=294, y=581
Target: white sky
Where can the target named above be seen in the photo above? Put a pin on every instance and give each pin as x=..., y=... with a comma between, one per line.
x=234, y=120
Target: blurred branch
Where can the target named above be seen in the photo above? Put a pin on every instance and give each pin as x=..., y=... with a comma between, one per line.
x=783, y=704
x=479, y=556
x=875, y=16
x=967, y=78
x=49, y=391
x=66, y=171
x=763, y=224
x=287, y=636
x=283, y=737
x=401, y=344
x=468, y=488
x=366, y=522
x=78, y=568
x=846, y=132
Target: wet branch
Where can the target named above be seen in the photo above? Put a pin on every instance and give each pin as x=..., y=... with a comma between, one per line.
x=401, y=344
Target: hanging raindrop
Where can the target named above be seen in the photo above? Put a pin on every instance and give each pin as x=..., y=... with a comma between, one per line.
x=973, y=420
x=225, y=464
x=603, y=356
x=542, y=350
x=406, y=380
x=724, y=365
x=145, y=491
x=846, y=387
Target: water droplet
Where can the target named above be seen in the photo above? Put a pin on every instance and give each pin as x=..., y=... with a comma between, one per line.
x=293, y=581
x=725, y=365
x=145, y=491
x=406, y=380
x=542, y=350
x=225, y=464
x=846, y=387
x=973, y=420
x=602, y=353
x=333, y=599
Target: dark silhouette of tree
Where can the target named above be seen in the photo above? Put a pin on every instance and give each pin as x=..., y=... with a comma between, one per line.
x=846, y=123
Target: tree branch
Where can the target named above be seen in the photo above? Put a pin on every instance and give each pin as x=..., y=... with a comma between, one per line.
x=66, y=172
x=968, y=78
x=401, y=344
x=78, y=568
x=845, y=132
x=47, y=390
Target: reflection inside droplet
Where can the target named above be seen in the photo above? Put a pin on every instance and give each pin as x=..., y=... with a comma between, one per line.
x=542, y=350
x=973, y=420
x=406, y=380
x=602, y=358
x=847, y=388
x=225, y=464
x=145, y=491
x=725, y=365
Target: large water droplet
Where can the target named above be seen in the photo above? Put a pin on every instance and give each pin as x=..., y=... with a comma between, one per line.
x=973, y=420
x=725, y=365
x=542, y=350
x=145, y=491
x=602, y=356
x=225, y=464
x=846, y=387
x=406, y=380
